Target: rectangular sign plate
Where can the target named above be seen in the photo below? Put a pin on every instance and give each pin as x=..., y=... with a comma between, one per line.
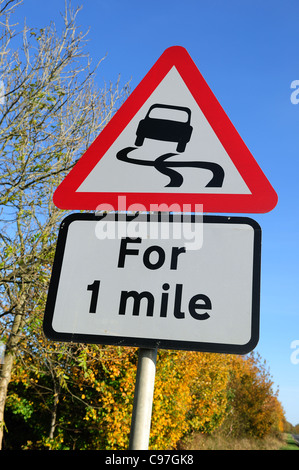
x=157, y=281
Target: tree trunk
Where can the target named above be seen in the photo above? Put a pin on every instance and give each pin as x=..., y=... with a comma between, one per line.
x=54, y=413
x=6, y=369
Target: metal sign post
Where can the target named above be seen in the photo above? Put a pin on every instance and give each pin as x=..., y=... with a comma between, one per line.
x=143, y=399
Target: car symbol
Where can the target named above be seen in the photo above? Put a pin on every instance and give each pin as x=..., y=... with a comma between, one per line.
x=166, y=129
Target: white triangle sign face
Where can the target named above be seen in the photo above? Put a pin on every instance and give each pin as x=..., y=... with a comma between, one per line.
x=170, y=145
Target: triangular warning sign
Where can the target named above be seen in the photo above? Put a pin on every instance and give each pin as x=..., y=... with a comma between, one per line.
x=169, y=145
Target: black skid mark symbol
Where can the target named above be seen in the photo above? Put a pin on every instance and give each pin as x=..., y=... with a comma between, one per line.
x=122, y=155
x=176, y=179
x=165, y=167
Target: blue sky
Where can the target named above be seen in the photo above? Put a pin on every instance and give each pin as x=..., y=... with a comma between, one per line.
x=248, y=53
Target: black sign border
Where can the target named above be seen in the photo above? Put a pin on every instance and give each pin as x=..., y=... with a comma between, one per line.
x=153, y=343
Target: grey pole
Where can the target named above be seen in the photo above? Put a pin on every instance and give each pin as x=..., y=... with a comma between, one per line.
x=143, y=399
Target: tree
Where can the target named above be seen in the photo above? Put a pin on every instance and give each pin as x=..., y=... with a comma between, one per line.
x=209, y=392
x=51, y=111
x=253, y=407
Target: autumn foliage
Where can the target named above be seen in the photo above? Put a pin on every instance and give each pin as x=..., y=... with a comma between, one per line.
x=66, y=396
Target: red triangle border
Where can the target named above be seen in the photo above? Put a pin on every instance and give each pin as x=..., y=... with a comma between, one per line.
x=262, y=199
